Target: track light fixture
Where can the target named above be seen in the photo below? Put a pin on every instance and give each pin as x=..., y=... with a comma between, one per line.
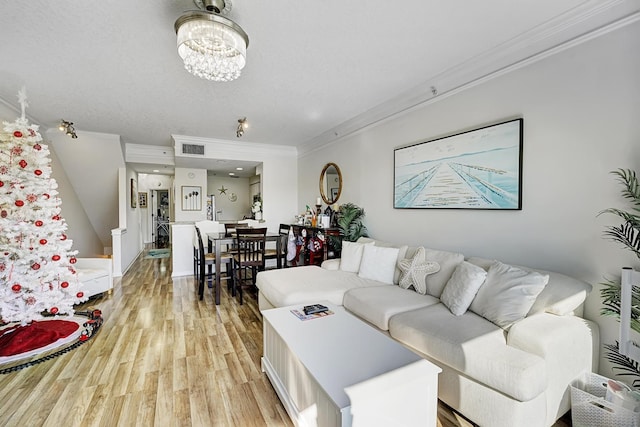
x=67, y=127
x=242, y=125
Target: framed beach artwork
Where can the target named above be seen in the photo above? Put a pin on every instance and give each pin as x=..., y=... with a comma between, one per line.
x=476, y=169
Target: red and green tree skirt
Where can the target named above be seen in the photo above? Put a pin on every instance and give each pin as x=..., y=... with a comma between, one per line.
x=37, y=274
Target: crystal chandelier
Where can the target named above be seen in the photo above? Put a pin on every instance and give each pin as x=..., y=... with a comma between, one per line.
x=211, y=46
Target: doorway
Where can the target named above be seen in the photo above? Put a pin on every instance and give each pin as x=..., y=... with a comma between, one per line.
x=160, y=216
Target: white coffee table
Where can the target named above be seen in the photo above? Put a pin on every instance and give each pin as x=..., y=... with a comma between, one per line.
x=339, y=371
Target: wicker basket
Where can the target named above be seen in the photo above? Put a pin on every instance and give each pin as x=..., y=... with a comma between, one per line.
x=590, y=409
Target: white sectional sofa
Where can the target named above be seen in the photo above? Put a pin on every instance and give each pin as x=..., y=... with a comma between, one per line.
x=95, y=274
x=509, y=354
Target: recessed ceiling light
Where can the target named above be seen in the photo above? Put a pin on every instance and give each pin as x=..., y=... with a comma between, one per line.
x=156, y=170
x=239, y=169
x=231, y=173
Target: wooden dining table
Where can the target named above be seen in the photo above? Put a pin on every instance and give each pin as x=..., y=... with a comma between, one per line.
x=216, y=240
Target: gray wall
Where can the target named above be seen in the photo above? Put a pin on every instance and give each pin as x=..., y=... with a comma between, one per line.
x=581, y=110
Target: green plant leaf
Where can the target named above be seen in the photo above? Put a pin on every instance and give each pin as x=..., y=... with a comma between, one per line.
x=627, y=366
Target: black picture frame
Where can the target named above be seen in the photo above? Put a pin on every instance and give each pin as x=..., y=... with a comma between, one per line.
x=476, y=169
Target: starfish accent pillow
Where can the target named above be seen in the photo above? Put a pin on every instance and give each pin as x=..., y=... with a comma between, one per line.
x=415, y=270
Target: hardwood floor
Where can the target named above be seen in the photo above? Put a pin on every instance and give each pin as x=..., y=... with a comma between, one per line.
x=161, y=358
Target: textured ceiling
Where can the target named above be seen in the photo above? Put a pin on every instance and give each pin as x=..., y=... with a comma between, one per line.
x=111, y=66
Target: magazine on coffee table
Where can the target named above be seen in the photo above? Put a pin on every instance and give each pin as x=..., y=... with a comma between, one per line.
x=300, y=314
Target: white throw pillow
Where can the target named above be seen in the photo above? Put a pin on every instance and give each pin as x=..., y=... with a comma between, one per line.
x=508, y=294
x=461, y=289
x=351, y=256
x=378, y=263
x=415, y=270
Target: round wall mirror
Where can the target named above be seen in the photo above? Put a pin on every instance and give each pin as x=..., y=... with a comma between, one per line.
x=330, y=183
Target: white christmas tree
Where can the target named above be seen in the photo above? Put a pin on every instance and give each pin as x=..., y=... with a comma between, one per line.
x=37, y=275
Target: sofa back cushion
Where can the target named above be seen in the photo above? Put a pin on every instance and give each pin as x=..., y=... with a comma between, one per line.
x=563, y=294
x=448, y=261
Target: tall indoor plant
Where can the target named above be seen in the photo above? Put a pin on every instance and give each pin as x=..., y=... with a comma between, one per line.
x=628, y=235
x=350, y=224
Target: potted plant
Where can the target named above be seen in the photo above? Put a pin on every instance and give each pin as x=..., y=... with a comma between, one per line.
x=628, y=235
x=350, y=217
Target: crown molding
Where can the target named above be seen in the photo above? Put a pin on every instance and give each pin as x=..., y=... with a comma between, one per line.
x=589, y=20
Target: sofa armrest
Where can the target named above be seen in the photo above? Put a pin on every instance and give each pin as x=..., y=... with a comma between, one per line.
x=569, y=346
x=331, y=264
x=557, y=337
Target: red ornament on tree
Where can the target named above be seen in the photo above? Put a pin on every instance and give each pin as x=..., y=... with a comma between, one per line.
x=56, y=257
x=1, y=183
x=56, y=217
x=73, y=260
x=23, y=163
x=37, y=147
x=3, y=214
x=46, y=196
x=16, y=288
x=35, y=266
x=31, y=301
x=64, y=285
x=63, y=237
x=39, y=223
x=17, y=134
x=80, y=294
x=37, y=172
x=43, y=241
x=53, y=310
x=19, y=203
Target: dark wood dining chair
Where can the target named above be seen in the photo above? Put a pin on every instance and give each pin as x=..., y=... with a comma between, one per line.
x=272, y=253
x=248, y=258
x=207, y=261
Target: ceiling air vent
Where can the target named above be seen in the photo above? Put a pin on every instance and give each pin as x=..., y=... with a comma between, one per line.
x=193, y=149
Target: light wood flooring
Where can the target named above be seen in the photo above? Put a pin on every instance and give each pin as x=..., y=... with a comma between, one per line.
x=161, y=358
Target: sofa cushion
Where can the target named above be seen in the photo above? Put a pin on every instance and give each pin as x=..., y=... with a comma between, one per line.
x=463, y=287
x=308, y=284
x=563, y=294
x=376, y=305
x=474, y=346
x=378, y=263
x=448, y=262
x=351, y=256
x=507, y=294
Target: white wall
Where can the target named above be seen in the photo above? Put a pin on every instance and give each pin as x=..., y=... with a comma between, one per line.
x=279, y=175
x=230, y=210
x=91, y=162
x=185, y=177
x=581, y=110
x=131, y=231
